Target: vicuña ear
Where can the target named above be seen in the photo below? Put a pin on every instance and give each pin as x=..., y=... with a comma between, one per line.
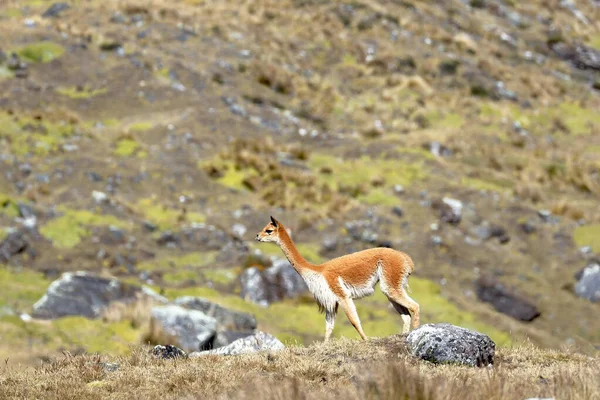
x=274, y=222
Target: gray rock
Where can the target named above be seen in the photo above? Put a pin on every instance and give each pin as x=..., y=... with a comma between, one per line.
x=167, y=352
x=225, y=338
x=55, y=9
x=588, y=282
x=12, y=245
x=192, y=329
x=449, y=344
x=273, y=284
x=452, y=212
x=260, y=341
x=82, y=293
x=226, y=319
x=506, y=301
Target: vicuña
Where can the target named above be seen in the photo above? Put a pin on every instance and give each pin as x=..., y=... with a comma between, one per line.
x=339, y=281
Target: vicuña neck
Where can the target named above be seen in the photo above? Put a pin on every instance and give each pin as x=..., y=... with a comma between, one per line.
x=292, y=253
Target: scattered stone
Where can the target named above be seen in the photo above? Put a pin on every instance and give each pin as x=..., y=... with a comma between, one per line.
x=466, y=42
x=99, y=197
x=397, y=211
x=82, y=293
x=192, y=329
x=527, y=228
x=438, y=149
x=55, y=10
x=149, y=226
x=110, y=367
x=260, y=341
x=580, y=56
x=225, y=338
x=167, y=352
x=588, y=282
x=271, y=285
x=545, y=215
x=491, y=291
x=13, y=244
x=449, y=344
x=330, y=243
x=448, y=67
x=168, y=238
x=450, y=210
x=239, y=230
x=398, y=189
x=25, y=211
x=226, y=319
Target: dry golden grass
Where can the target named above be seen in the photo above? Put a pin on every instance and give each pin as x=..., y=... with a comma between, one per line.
x=379, y=369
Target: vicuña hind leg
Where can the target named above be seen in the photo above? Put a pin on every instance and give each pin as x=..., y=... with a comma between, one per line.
x=350, y=309
x=399, y=296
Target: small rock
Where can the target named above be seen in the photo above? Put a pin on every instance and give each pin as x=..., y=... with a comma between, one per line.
x=398, y=189
x=271, y=285
x=225, y=338
x=397, y=211
x=192, y=329
x=110, y=367
x=450, y=210
x=449, y=344
x=13, y=244
x=505, y=301
x=330, y=243
x=439, y=150
x=99, y=197
x=55, y=10
x=545, y=215
x=260, y=341
x=588, y=282
x=239, y=230
x=149, y=226
x=168, y=238
x=168, y=352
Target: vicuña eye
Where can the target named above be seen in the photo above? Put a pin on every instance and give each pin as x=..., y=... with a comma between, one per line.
x=269, y=231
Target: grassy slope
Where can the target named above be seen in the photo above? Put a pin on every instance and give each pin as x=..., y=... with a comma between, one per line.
x=341, y=369
x=306, y=64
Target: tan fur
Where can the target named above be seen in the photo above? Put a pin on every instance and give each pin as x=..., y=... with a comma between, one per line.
x=340, y=280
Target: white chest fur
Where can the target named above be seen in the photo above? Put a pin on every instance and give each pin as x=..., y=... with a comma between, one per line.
x=319, y=287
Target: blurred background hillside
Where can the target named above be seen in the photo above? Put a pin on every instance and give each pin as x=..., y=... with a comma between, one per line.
x=150, y=140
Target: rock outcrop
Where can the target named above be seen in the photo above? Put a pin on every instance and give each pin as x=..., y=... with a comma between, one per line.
x=588, y=282
x=271, y=285
x=167, y=352
x=505, y=301
x=192, y=329
x=449, y=344
x=227, y=319
x=260, y=341
x=82, y=293
x=14, y=243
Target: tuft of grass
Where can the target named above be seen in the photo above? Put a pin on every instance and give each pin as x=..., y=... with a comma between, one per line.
x=165, y=217
x=68, y=230
x=21, y=288
x=8, y=206
x=128, y=147
x=140, y=126
x=40, y=52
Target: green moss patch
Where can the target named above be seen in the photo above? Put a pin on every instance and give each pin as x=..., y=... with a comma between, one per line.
x=68, y=230
x=128, y=147
x=5, y=72
x=221, y=276
x=492, y=185
x=588, y=235
x=8, y=206
x=165, y=217
x=140, y=126
x=76, y=92
x=21, y=288
x=40, y=52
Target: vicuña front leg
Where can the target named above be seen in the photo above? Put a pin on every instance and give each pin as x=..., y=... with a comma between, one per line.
x=350, y=309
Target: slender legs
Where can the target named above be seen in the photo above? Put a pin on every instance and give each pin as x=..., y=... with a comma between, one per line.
x=350, y=309
x=406, y=307
x=329, y=322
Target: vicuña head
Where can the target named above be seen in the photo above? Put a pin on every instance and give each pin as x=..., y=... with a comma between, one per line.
x=339, y=281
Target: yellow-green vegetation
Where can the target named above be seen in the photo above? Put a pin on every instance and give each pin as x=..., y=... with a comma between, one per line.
x=492, y=185
x=588, y=235
x=299, y=321
x=310, y=251
x=221, y=276
x=3, y=233
x=165, y=217
x=127, y=147
x=21, y=288
x=77, y=92
x=231, y=175
x=356, y=177
x=177, y=263
x=8, y=206
x=40, y=52
x=67, y=230
x=140, y=126
x=448, y=120
x=27, y=135
x=5, y=72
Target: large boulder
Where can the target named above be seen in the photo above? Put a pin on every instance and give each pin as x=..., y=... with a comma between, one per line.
x=191, y=329
x=275, y=283
x=488, y=289
x=226, y=319
x=449, y=344
x=588, y=282
x=260, y=341
x=82, y=293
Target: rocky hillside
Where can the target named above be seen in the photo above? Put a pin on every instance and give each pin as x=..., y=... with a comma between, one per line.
x=150, y=140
